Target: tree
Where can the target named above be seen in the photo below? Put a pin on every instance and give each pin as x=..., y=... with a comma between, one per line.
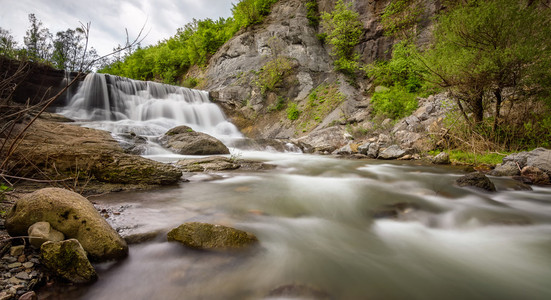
x=8, y=45
x=487, y=51
x=37, y=40
x=343, y=29
x=68, y=49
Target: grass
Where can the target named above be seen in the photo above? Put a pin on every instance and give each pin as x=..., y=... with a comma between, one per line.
x=321, y=101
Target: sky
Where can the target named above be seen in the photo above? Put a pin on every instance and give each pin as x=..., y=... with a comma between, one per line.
x=109, y=18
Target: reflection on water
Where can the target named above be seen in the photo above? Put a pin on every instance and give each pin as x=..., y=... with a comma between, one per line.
x=314, y=217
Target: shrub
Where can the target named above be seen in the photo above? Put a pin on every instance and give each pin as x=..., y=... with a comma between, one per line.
x=395, y=102
x=273, y=72
x=292, y=111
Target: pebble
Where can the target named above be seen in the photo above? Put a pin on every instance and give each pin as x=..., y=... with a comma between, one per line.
x=23, y=275
x=17, y=250
x=14, y=265
x=20, y=273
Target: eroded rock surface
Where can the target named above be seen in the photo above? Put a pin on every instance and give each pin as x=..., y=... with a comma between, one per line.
x=211, y=237
x=186, y=141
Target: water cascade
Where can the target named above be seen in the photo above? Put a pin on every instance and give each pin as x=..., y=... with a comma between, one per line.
x=145, y=108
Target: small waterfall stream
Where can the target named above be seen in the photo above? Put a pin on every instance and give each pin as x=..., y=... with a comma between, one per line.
x=354, y=229
x=144, y=108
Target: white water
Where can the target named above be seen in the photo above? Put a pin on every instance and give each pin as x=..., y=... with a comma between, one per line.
x=148, y=109
x=314, y=217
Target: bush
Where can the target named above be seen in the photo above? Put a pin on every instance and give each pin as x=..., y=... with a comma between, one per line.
x=395, y=102
x=312, y=13
x=292, y=111
x=343, y=29
x=272, y=73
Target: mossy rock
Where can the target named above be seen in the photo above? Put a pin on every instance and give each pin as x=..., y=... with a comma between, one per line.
x=67, y=259
x=477, y=180
x=71, y=214
x=211, y=237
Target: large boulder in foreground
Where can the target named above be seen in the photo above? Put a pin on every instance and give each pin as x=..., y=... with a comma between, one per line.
x=67, y=259
x=477, y=180
x=71, y=214
x=211, y=237
x=184, y=140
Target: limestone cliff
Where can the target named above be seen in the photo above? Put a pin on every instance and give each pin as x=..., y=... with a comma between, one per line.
x=234, y=74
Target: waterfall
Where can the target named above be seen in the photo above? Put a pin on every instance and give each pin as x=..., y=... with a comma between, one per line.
x=121, y=106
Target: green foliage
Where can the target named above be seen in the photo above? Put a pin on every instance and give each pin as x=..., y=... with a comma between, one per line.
x=192, y=45
x=403, y=69
x=8, y=44
x=321, y=101
x=395, y=102
x=249, y=12
x=401, y=16
x=343, y=29
x=273, y=72
x=312, y=13
x=484, y=48
x=190, y=82
x=292, y=111
x=278, y=105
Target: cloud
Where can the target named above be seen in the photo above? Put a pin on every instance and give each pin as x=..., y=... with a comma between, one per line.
x=110, y=18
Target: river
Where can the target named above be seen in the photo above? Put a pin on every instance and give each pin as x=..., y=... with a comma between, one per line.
x=328, y=228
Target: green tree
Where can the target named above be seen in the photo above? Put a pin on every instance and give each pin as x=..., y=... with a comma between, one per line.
x=343, y=29
x=37, y=40
x=8, y=44
x=487, y=51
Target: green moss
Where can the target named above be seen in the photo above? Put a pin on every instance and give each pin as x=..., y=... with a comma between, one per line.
x=321, y=101
x=471, y=158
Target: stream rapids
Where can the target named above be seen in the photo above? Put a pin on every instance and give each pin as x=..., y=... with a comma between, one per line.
x=328, y=228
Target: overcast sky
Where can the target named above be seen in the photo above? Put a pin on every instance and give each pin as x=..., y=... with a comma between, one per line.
x=109, y=18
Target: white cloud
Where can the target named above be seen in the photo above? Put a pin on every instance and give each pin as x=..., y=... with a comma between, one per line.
x=110, y=18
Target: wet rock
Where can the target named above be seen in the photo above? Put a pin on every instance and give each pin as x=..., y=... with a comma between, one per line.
x=443, y=158
x=392, y=152
x=186, y=141
x=207, y=236
x=41, y=232
x=139, y=238
x=509, y=168
x=298, y=291
x=71, y=214
x=477, y=180
x=67, y=259
x=349, y=149
x=535, y=175
x=17, y=250
x=395, y=211
x=213, y=163
x=132, y=143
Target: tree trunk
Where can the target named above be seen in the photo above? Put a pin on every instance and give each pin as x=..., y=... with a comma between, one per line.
x=478, y=109
x=499, y=99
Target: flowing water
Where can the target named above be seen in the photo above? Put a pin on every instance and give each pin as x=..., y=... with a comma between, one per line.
x=348, y=229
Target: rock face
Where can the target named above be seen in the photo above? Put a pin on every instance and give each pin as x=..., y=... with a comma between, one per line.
x=42, y=232
x=71, y=214
x=68, y=260
x=64, y=151
x=509, y=168
x=535, y=175
x=186, y=141
x=211, y=237
x=477, y=180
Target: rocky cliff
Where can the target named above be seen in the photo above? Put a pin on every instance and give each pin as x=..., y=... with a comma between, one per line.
x=236, y=74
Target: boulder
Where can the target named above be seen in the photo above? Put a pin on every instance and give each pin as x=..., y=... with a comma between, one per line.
x=67, y=259
x=478, y=180
x=42, y=232
x=441, y=158
x=539, y=158
x=535, y=175
x=392, y=152
x=211, y=237
x=213, y=163
x=510, y=168
x=186, y=141
x=71, y=214
x=68, y=151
